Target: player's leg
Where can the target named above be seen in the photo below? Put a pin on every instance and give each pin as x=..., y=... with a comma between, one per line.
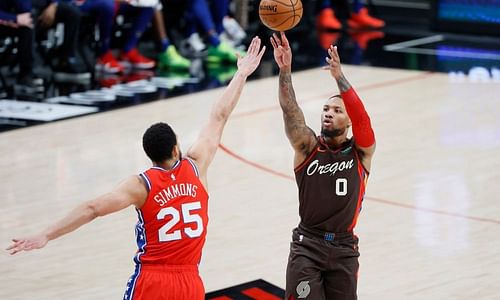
x=168, y=58
x=219, y=10
x=304, y=270
x=103, y=11
x=341, y=280
x=141, y=17
x=218, y=51
x=68, y=69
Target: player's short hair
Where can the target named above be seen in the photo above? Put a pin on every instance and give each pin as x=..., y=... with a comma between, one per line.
x=158, y=142
x=335, y=96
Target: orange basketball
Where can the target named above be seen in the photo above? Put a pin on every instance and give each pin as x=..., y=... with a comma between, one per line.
x=280, y=15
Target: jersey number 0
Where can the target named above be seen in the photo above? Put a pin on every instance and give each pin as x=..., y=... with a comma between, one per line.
x=187, y=216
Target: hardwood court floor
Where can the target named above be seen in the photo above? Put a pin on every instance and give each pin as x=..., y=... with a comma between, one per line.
x=429, y=226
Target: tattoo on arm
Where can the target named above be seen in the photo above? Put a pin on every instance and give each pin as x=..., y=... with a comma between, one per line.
x=297, y=131
x=343, y=84
x=287, y=94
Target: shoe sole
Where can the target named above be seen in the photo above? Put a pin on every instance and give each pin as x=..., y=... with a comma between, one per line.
x=142, y=66
x=108, y=70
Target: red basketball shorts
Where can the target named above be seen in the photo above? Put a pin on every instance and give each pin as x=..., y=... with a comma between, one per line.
x=152, y=282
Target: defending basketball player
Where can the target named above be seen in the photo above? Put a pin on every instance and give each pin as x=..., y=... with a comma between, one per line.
x=171, y=201
x=331, y=171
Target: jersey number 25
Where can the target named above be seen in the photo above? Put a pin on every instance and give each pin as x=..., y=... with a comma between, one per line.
x=187, y=216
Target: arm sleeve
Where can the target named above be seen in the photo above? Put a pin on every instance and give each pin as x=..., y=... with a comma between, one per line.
x=361, y=124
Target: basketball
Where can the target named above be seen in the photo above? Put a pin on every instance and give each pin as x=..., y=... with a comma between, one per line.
x=280, y=15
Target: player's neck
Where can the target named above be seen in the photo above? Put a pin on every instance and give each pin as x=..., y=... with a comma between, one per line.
x=168, y=164
x=334, y=142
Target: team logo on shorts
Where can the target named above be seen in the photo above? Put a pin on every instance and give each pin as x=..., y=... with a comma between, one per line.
x=303, y=289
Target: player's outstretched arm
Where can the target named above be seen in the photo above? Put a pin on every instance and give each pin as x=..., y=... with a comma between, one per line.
x=362, y=130
x=299, y=134
x=130, y=192
x=204, y=148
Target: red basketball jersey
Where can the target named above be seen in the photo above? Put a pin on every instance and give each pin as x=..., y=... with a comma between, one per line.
x=173, y=221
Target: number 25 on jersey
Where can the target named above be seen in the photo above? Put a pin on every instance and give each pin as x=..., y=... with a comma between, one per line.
x=188, y=216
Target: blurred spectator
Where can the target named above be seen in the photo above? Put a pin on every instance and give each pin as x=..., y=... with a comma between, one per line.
x=359, y=17
x=67, y=67
x=140, y=15
x=105, y=11
x=227, y=28
x=198, y=15
x=169, y=57
x=16, y=20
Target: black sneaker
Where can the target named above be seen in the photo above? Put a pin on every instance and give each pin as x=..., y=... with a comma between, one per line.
x=69, y=70
x=27, y=84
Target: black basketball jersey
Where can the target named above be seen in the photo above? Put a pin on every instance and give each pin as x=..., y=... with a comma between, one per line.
x=331, y=187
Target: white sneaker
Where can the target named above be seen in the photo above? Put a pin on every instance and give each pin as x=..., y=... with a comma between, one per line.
x=233, y=30
x=224, y=37
x=196, y=43
x=237, y=45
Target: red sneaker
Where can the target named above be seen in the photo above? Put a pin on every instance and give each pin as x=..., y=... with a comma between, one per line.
x=107, y=63
x=362, y=38
x=110, y=80
x=364, y=20
x=139, y=75
x=136, y=60
x=326, y=38
x=326, y=19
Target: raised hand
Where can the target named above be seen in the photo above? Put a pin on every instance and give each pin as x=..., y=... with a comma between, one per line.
x=248, y=63
x=282, y=51
x=333, y=61
x=35, y=242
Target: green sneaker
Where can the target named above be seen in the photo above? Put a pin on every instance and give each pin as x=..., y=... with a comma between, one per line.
x=171, y=59
x=222, y=53
x=222, y=73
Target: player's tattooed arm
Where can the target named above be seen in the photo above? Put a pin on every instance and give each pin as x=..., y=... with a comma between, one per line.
x=343, y=84
x=301, y=137
x=335, y=68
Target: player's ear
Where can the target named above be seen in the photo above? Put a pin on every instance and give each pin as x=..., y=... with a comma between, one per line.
x=175, y=151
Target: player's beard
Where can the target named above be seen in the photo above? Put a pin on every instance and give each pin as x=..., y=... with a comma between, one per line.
x=332, y=133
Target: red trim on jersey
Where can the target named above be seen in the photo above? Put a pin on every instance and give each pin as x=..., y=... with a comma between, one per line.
x=308, y=159
x=323, y=142
x=361, y=125
x=146, y=181
x=195, y=167
x=364, y=168
x=363, y=177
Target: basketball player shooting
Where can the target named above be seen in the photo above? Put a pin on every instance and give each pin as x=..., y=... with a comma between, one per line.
x=331, y=172
x=171, y=201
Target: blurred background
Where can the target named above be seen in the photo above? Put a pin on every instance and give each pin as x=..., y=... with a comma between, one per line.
x=61, y=59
